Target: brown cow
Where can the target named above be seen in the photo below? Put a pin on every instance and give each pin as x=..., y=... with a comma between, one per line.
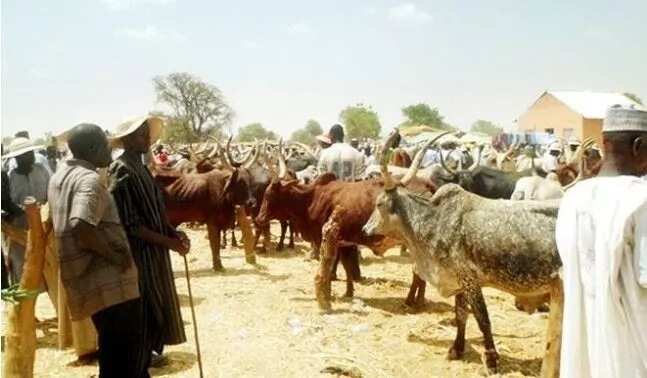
x=346, y=204
x=209, y=198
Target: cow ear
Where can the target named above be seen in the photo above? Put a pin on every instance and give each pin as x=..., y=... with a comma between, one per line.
x=231, y=180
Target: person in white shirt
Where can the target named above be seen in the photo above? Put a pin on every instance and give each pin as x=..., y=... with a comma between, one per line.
x=550, y=161
x=340, y=158
x=601, y=235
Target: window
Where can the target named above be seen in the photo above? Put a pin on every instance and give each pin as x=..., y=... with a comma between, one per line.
x=550, y=131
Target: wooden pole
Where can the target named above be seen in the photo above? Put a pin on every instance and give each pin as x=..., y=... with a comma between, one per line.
x=248, y=234
x=195, y=322
x=21, y=322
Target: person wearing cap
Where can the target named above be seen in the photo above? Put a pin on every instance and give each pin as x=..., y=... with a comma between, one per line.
x=550, y=160
x=27, y=179
x=97, y=271
x=10, y=163
x=340, y=158
x=601, y=236
x=142, y=212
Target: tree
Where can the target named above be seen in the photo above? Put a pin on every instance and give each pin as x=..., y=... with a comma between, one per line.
x=308, y=133
x=361, y=121
x=196, y=106
x=313, y=127
x=634, y=97
x=254, y=131
x=486, y=127
x=423, y=114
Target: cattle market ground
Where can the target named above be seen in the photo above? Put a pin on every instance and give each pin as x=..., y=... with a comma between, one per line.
x=263, y=321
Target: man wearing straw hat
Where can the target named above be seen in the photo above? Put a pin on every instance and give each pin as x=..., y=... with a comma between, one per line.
x=601, y=236
x=143, y=214
x=96, y=266
x=27, y=179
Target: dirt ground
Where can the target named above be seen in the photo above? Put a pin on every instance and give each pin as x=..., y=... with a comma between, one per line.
x=263, y=321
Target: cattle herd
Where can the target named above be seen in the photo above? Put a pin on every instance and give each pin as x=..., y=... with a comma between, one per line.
x=490, y=224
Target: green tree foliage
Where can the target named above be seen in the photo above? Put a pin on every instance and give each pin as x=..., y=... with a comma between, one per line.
x=254, y=131
x=313, y=127
x=486, y=127
x=196, y=106
x=634, y=97
x=423, y=114
x=308, y=133
x=360, y=121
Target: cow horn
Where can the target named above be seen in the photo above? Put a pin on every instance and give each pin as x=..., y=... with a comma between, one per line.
x=283, y=168
x=413, y=169
x=232, y=162
x=478, y=160
x=580, y=175
x=306, y=149
x=389, y=182
x=223, y=157
x=254, y=157
x=214, y=151
x=442, y=163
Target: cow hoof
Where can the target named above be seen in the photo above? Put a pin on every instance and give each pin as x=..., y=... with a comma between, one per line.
x=491, y=358
x=261, y=251
x=291, y=246
x=455, y=353
x=544, y=307
x=218, y=268
x=280, y=247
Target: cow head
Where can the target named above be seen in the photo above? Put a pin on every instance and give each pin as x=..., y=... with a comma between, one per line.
x=237, y=188
x=460, y=176
x=276, y=200
x=387, y=218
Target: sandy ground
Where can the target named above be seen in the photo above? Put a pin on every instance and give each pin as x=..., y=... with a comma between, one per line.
x=263, y=321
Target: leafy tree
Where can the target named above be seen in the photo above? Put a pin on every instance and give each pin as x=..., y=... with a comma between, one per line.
x=308, y=133
x=361, y=121
x=634, y=97
x=423, y=114
x=195, y=105
x=313, y=127
x=254, y=131
x=486, y=127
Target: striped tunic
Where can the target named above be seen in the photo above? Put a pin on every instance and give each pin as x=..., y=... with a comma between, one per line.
x=140, y=203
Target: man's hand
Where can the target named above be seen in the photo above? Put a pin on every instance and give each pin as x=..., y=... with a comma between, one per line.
x=181, y=246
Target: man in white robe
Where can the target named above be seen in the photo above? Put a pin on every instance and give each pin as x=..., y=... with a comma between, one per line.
x=601, y=235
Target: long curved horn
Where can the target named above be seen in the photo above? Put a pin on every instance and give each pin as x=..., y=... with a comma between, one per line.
x=283, y=168
x=223, y=156
x=478, y=160
x=270, y=167
x=254, y=157
x=232, y=162
x=415, y=164
x=442, y=163
x=307, y=149
x=389, y=182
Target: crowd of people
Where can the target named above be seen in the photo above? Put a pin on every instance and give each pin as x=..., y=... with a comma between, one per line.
x=114, y=239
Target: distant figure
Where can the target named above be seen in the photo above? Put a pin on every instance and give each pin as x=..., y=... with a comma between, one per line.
x=601, y=236
x=27, y=179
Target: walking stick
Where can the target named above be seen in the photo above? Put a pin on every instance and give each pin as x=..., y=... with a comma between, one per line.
x=195, y=323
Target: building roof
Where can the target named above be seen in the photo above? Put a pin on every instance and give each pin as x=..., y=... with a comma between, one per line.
x=592, y=104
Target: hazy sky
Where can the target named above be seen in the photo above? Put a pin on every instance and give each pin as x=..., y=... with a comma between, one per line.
x=282, y=62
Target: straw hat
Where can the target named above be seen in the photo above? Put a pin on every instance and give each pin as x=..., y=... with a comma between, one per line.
x=324, y=138
x=131, y=125
x=19, y=146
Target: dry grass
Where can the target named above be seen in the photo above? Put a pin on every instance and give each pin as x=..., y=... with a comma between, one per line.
x=263, y=321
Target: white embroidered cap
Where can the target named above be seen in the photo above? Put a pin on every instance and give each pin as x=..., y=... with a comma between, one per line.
x=625, y=118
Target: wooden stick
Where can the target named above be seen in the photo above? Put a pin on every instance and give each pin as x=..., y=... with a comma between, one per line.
x=21, y=321
x=195, y=323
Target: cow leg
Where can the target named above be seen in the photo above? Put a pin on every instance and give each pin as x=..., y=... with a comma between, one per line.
x=314, y=254
x=214, y=240
x=416, y=295
x=284, y=227
x=403, y=251
x=550, y=364
x=223, y=244
x=477, y=302
x=234, y=243
x=267, y=238
x=291, y=245
x=257, y=236
x=460, y=312
x=329, y=243
x=348, y=261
